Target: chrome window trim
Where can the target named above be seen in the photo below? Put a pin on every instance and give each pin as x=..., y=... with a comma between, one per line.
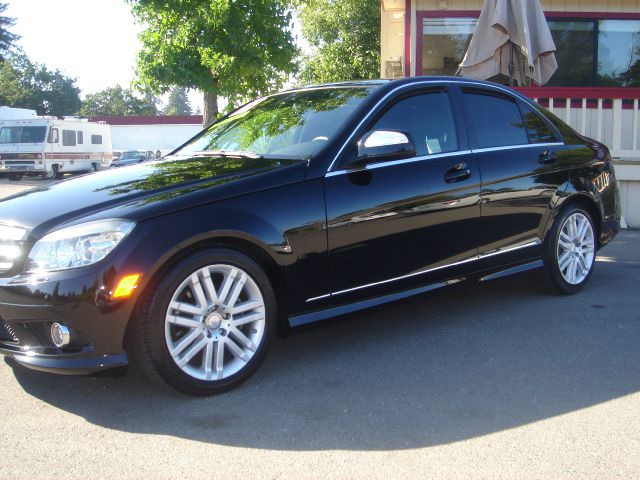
x=512, y=248
x=446, y=82
x=373, y=166
x=510, y=147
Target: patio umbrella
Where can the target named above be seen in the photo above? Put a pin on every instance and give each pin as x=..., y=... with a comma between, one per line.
x=513, y=38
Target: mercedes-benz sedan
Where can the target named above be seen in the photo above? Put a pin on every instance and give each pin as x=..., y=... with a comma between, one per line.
x=295, y=208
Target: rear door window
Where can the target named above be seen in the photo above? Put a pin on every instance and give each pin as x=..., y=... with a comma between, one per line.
x=538, y=129
x=496, y=120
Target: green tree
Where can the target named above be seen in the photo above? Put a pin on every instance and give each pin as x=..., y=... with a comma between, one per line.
x=236, y=49
x=178, y=102
x=117, y=101
x=345, y=37
x=26, y=84
x=7, y=39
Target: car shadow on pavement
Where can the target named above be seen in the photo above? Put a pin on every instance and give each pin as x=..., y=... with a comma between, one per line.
x=447, y=366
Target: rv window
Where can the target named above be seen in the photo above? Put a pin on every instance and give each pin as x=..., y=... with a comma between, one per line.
x=69, y=138
x=80, y=137
x=53, y=136
x=96, y=139
x=22, y=134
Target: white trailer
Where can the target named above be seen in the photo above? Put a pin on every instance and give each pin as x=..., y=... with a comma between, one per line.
x=51, y=147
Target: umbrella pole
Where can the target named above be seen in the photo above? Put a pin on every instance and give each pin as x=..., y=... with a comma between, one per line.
x=511, y=65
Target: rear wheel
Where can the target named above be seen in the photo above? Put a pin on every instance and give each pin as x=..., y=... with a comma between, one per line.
x=570, y=250
x=206, y=326
x=15, y=177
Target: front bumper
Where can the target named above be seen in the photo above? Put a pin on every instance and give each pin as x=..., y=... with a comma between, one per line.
x=76, y=298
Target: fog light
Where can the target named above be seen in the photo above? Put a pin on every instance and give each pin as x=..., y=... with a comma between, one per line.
x=60, y=335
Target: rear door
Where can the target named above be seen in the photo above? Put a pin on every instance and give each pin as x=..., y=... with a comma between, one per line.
x=396, y=224
x=522, y=162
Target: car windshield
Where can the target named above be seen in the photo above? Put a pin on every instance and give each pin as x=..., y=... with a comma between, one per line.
x=22, y=134
x=131, y=156
x=291, y=125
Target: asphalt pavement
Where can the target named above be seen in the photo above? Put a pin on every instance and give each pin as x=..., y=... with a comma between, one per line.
x=496, y=380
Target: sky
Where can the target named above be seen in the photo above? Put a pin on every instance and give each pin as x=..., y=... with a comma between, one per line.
x=93, y=41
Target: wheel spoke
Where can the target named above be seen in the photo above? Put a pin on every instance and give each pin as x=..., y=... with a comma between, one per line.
x=572, y=270
x=243, y=339
x=219, y=359
x=564, y=261
x=208, y=285
x=582, y=263
x=236, y=350
x=185, y=342
x=197, y=291
x=186, y=308
x=183, y=322
x=565, y=237
x=254, y=317
x=207, y=360
x=227, y=284
x=233, y=298
x=245, y=307
x=199, y=345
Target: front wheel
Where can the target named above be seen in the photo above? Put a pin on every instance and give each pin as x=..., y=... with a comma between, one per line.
x=206, y=326
x=570, y=250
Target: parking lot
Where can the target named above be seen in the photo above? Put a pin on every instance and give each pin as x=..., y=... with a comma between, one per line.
x=497, y=380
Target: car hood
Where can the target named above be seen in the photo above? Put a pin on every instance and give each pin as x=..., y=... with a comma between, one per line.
x=145, y=189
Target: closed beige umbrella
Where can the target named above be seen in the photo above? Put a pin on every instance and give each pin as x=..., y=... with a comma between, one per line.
x=510, y=33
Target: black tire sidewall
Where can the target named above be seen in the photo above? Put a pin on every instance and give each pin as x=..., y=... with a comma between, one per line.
x=154, y=322
x=552, y=269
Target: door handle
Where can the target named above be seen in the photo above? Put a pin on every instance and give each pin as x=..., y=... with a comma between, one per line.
x=458, y=172
x=547, y=156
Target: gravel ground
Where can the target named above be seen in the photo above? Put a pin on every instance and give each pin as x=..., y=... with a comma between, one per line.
x=495, y=381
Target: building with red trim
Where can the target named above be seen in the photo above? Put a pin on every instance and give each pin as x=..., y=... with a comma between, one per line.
x=596, y=88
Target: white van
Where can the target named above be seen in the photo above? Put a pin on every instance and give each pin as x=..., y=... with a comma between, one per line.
x=51, y=147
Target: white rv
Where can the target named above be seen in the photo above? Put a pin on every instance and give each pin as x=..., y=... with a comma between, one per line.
x=51, y=147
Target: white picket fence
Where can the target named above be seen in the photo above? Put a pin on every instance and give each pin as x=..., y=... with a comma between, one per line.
x=609, y=115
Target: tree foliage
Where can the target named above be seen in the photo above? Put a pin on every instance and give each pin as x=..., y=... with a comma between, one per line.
x=238, y=49
x=7, y=39
x=117, y=101
x=178, y=102
x=26, y=84
x=345, y=37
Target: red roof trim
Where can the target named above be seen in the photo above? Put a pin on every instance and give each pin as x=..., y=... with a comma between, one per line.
x=150, y=120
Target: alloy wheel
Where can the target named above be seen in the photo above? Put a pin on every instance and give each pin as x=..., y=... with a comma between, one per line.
x=575, y=251
x=215, y=322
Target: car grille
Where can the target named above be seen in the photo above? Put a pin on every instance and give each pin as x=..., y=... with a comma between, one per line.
x=6, y=332
x=41, y=331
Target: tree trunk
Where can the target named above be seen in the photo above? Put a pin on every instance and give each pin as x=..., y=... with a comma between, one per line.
x=210, y=108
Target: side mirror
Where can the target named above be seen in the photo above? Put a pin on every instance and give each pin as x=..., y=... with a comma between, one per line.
x=380, y=144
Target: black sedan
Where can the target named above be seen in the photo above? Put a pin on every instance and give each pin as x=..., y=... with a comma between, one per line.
x=295, y=208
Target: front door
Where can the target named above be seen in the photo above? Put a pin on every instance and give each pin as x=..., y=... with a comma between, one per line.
x=396, y=224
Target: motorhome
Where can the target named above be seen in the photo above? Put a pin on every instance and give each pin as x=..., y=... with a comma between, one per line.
x=51, y=146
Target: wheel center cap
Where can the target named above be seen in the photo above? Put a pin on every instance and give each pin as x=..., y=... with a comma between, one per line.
x=213, y=321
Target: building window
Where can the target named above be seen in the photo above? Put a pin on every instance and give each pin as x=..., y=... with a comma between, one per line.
x=444, y=43
x=590, y=52
x=69, y=138
x=96, y=139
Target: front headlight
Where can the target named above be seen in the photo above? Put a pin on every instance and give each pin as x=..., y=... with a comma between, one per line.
x=77, y=246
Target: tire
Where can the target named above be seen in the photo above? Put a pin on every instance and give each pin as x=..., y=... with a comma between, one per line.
x=15, y=177
x=570, y=250
x=56, y=174
x=48, y=175
x=189, y=339
x=94, y=167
